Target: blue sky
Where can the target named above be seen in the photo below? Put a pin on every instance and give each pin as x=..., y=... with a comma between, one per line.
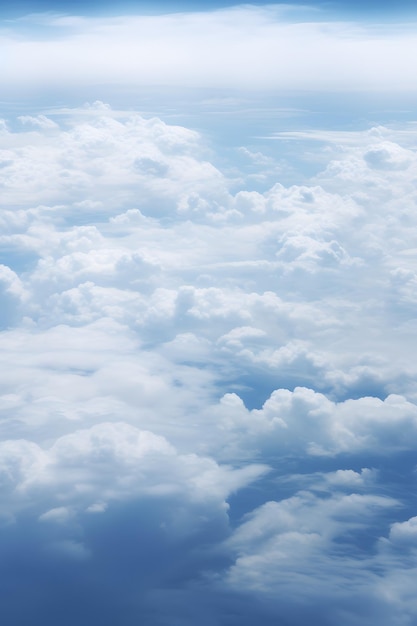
x=370, y=8
x=192, y=4
x=208, y=401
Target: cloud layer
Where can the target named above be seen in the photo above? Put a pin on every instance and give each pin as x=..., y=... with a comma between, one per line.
x=208, y=395
x=270, y=47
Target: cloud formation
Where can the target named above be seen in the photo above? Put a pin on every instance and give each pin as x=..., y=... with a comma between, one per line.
x=208, y=395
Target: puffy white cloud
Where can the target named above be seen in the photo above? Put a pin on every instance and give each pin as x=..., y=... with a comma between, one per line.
x=111, y=461
x=306, y=422
x=404, y=532
x=104, y=160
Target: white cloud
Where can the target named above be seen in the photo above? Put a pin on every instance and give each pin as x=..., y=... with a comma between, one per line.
x=107, y=161
x=40, y=120
x=241, y=47
x=404, y=532
x=107, y=462
x=285, y=543
x=305, y=422
x=255, y=47
x=60, y=514
x=316, y=554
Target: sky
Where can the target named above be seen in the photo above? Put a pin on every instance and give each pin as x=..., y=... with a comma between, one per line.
x=208, y=403
x=379, y=8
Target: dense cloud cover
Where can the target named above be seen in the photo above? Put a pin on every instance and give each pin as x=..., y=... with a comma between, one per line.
x=208, y=394
x=282, y=46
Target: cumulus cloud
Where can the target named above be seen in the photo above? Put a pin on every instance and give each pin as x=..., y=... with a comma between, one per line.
x=305, y=422
x=110, y=461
